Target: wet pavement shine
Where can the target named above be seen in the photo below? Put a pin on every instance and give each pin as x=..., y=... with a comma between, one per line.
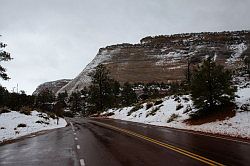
x=107, y=142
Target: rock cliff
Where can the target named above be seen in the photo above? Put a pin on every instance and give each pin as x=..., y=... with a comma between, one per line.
x=164, y=58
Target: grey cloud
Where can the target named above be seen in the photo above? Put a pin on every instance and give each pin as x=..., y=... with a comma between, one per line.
x=54, y=39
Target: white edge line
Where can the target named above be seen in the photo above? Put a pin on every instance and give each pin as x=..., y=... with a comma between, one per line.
x=78, y=146
x=82, y=162
x=207, y=135
x=193, y=132
x=72, y=126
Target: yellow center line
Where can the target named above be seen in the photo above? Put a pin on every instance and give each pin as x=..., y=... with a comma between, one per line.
x=165, y=145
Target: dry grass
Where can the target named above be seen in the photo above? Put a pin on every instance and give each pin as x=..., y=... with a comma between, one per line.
x=213, y=116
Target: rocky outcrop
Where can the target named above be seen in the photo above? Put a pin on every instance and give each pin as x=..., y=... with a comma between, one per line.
x=164, y=58
x=53, y=86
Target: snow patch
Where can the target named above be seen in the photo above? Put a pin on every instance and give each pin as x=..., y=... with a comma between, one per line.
x=10, y=121
x=237, y=49
x=168, y=58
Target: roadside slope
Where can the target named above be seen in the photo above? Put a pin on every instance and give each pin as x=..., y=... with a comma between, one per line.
x=14, y=124
x=174, y=112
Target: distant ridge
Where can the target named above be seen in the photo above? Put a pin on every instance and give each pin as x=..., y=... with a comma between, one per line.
x=53, y=86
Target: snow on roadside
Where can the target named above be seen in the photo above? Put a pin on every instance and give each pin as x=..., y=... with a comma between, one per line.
x=237, y=126
x=161, y=117
x=10, y=121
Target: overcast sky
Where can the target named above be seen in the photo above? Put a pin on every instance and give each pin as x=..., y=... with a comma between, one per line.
x=55, y=39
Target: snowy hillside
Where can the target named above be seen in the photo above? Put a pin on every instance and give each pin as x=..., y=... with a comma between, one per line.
x=14, y=124
x=52, y=86
x=174, y=110
x=83, y=79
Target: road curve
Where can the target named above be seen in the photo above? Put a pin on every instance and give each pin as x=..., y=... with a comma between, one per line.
x=107, y=142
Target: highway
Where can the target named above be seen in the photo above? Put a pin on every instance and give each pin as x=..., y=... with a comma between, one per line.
x=107, y=142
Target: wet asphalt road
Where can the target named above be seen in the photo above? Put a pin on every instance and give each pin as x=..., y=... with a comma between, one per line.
x=106, y=142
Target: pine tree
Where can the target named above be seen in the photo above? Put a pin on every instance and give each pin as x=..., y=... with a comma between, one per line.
x=15, y=101
x=211, y=86
x=191, y=60
x=44, y=99
x=58, y=110
x=4, y=56
x=128, y=95
x=62, y=98
x=75, y=102
x=115, y=87
x=94, y=100
x=101, y=92
x=4, y=96
x=115, y=94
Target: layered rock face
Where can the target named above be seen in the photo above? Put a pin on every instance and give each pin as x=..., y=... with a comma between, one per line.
x=164, y=58
x=53, y=86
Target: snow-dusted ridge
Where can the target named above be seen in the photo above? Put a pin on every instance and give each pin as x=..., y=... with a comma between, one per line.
x=83, y=79
x=164, y=58
x=53, y=86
